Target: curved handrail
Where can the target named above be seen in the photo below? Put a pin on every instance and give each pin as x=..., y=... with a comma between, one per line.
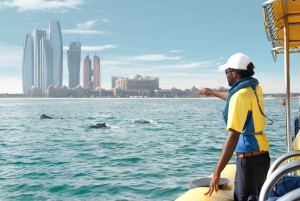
x=282, y=159
x=293, y=195
x=275, y=177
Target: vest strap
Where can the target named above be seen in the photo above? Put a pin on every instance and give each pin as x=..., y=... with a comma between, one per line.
x=258, y=133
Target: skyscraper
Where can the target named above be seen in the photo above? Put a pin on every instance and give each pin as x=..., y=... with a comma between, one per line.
x=56, y=52
x=96, y=72
x=27, y=66
x=74, y=55
x=38, y=34
x=47, y=58
x=87, y=73
x=91, y=77
x=46, y=68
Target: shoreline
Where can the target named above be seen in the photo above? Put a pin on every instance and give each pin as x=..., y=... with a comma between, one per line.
x=202, y=98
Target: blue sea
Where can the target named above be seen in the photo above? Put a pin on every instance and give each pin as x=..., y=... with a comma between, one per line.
x=63, y=159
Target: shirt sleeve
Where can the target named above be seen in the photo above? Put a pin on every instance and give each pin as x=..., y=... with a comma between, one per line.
x=237, y=113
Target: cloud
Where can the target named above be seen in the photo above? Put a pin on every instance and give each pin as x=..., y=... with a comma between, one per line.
x=42, y=5
x=94, y=48
x=91, y=23
x=180, y=74
x=113, y=62
x=84, y=28
x=153, y=57
x=83, y=31
x=175, y=51
x=193, y=65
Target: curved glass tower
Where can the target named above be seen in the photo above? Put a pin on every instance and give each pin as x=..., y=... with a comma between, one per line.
x=56, y=52
x=27, y=64
x=45, y=65
x=38, y=34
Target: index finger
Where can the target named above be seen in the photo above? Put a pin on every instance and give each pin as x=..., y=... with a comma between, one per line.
x=209, y=192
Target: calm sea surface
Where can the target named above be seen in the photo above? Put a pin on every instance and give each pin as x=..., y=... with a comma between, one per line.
x=63, y=159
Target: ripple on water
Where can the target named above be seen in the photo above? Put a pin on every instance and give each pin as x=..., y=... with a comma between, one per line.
x=62, y=159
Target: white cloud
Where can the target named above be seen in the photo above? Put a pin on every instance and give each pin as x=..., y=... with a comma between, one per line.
x=98, y=48
x=153, y=57
x=84, y=28
x=83, y=31
x=180, y=74
x=113, y=62
x=193, y=65
x=42, y=5
x=94, y=48
x=175, y=51
x=91, y=23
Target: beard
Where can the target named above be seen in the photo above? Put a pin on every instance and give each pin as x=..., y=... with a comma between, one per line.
x=230, y=81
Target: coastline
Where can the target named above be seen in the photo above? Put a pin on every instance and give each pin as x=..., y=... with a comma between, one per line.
x=154, y=98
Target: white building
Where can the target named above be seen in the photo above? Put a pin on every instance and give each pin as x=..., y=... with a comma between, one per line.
x=138, y=82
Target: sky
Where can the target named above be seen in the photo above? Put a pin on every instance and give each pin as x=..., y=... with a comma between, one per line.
x=181, y=42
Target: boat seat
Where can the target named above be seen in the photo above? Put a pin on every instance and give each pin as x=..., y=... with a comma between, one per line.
x=205, y=182
x=284, y=186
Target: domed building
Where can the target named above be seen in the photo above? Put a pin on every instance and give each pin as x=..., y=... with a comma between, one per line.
x=137, y=82
x=136, y=76
x=136, y=85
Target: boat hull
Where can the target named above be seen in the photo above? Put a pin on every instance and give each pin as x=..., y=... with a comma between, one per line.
x=197, y=194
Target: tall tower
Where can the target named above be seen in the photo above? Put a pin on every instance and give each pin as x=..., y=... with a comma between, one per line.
x=87, y=73
x=27, y=64
x=74, y=55
x=47, y=58
x=46, y=69
x=56, y=53
x=96, y=72
x=38, y=34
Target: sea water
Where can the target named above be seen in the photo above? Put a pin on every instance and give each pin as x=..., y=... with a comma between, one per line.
x=63, y=159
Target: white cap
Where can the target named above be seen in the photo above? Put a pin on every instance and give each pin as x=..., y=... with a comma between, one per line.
x=237, y=61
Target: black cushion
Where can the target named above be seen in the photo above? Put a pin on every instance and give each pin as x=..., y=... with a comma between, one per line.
x=205, y=182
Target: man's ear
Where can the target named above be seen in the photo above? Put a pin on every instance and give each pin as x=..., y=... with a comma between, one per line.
x=233, y=73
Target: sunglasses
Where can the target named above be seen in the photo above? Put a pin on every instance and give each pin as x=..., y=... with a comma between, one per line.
x=228, y=70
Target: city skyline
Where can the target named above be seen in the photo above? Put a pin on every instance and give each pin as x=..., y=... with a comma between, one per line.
x=181, y=43
x=42, y=58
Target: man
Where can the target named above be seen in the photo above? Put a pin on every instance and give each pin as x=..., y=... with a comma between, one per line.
x=245, y=120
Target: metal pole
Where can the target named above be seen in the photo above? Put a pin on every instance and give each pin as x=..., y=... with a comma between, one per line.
x=287, y=83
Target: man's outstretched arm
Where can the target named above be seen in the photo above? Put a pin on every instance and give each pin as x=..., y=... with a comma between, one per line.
x=207, y=92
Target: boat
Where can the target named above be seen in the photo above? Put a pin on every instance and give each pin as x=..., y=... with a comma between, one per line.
x=282, y=25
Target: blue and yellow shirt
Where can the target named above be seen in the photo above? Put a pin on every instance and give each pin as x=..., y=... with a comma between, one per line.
x=245, y=117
